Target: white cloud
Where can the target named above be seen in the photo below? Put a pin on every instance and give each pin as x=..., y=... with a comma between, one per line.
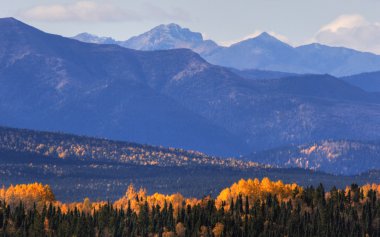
x=175, y=14
x=344, y=21
x=90, y=11
x=255, y=34
x=352, y=31
x=78, y=11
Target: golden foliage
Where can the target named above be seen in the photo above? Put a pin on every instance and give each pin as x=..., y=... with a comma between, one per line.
x=218, y=229
x=374, y=187
x=138, y=198
x=168, y=233
x=256, y=190
x=180, y=229
x=29, y=194
x=203, y=231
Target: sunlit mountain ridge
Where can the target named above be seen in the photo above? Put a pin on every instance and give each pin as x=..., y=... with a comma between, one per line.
x=264, y=52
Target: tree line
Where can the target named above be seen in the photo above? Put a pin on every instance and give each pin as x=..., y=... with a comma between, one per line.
x=247, y=208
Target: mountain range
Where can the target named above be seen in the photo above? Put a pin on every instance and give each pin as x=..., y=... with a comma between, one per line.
x=49, y=82
x=264, y=52
x=169, y=97
x=162, y=37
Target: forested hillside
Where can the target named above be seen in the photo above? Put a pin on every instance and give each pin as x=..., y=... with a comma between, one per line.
x=81, y=148
x=247, y=208
x=340, y=157
x=77, y=166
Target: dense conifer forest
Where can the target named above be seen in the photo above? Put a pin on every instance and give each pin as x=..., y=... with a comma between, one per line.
x=247, y=208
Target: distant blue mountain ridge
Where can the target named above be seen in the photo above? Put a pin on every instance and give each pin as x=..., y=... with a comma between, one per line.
x=170, y=97
x=264, y=52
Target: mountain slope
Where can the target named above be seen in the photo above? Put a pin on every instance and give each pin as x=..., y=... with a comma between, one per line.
x=338, y=61
x=256, y=74
x=170, y=36
x=89, y=38
x=336, y=157
x=265, y=52
x=269, y=113
x=81, y=148
x=367, y=81
x=169, y=97
x=52, y=83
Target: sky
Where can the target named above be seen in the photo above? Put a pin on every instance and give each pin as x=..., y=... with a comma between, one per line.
x=350, y=23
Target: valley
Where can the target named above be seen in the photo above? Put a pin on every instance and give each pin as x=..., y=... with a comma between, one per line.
x=103, y=169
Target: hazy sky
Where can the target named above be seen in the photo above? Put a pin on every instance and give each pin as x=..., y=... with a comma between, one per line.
x=353, y=23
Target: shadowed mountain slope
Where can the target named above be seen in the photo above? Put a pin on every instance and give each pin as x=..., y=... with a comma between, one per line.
x=169, y=97
x=367, y=81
